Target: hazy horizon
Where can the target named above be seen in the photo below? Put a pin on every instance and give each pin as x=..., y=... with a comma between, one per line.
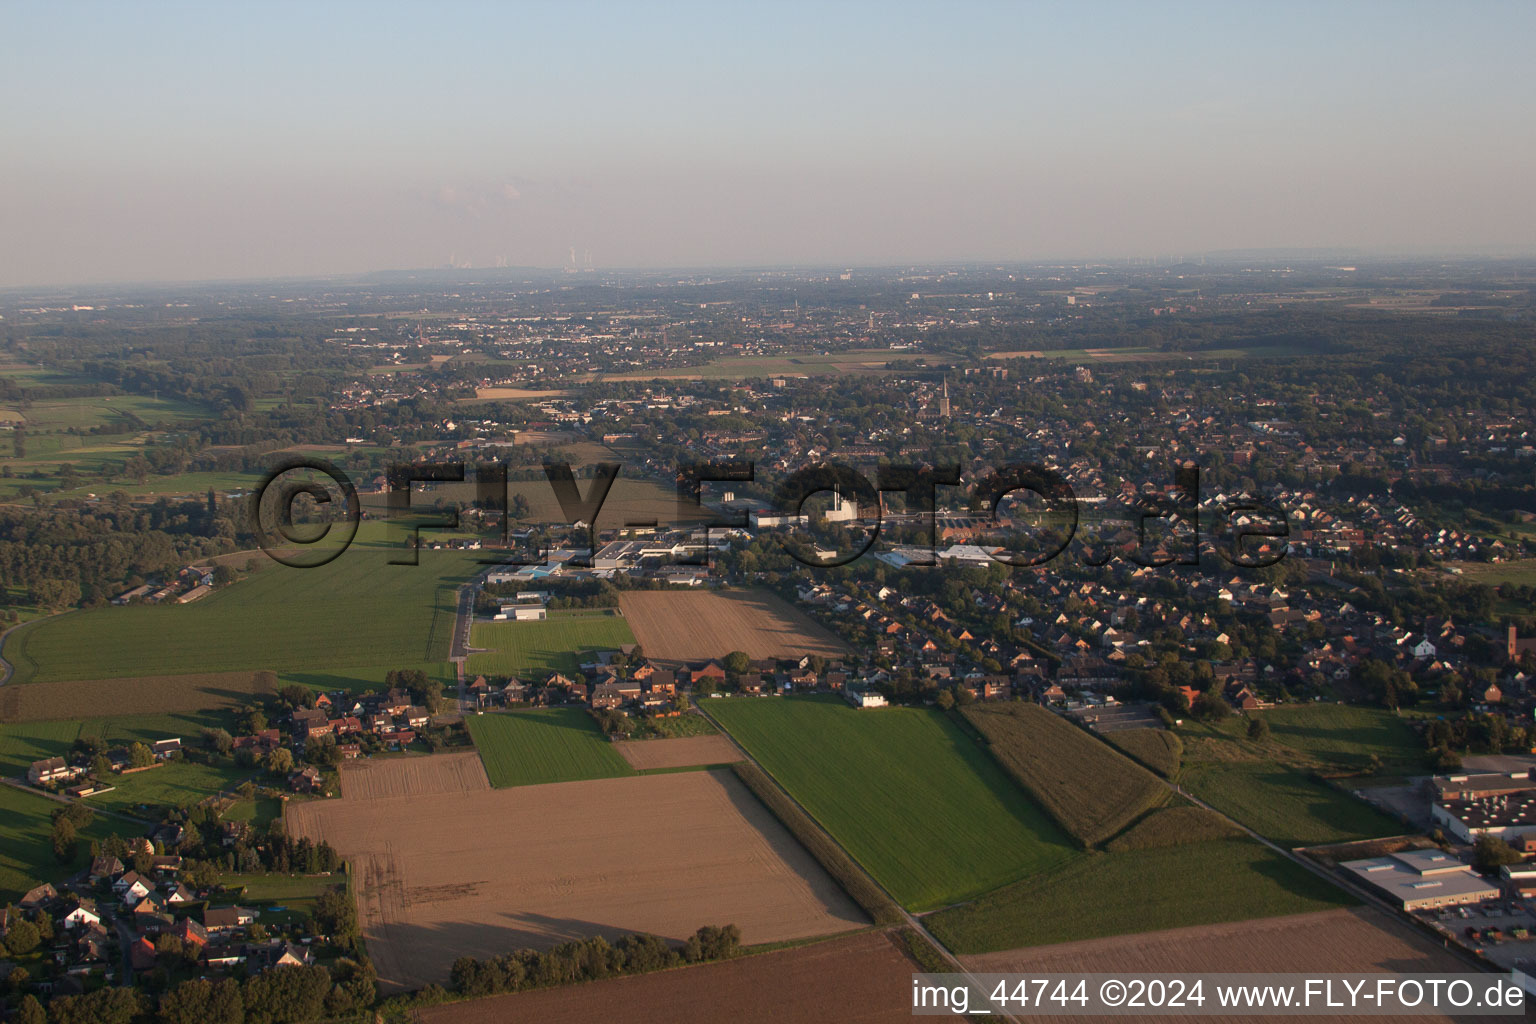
x=177, y=143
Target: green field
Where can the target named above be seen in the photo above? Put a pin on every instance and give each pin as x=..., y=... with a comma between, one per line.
x=1119, y=893
x=295, y=895
x=913, y=798
x=26, y=856
x=24, y=742
x=174, y=784
x=259, y=811
x=356, y=611
x=532, y=650
x=1158, y=749
x=1519, y=571
x=1347, y=735
x=171, y=785
x=526, y=748
x=1285, y=805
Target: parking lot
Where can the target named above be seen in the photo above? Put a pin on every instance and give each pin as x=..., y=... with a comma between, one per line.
x=1507, y=916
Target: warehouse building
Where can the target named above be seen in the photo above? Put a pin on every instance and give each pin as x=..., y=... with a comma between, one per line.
x=1422, y=879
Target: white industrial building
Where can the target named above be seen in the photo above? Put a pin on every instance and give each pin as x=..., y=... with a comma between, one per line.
x=1420, y=879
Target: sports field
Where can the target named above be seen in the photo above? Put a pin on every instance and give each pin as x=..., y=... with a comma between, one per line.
x=357, y=610
x=524, y=748
x=1118, y=893
x=532, y=650
x=695, y=625
x=914, y=799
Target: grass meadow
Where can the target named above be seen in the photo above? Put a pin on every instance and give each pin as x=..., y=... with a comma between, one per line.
x=358, y=610
x=26, y=857
x=1102, y=894
x=912, y=797
x=1284, y=804
x=526, y=748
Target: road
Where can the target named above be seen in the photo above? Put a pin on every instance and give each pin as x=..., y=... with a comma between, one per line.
x=458, y=647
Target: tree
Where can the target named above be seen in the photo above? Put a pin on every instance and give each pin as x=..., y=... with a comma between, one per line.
x=201, y=1001
x=218, y=740
x=284, y=994
x=55, y=595
x=66, y=841
x=140, y=756
x=22, y=938
x=280, y=761
x=737, y=662
x=31, y=1011
x=104, y=1006
x=1490, y=853
x=945, y=700
x=1258, y=729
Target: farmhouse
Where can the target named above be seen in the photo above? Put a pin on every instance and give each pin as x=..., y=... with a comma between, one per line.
x=1419, y=879
x=51, y=769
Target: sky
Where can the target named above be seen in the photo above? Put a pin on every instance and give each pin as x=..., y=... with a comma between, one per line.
x=149, y=141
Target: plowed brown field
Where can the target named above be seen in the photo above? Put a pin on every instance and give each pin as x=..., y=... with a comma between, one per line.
x=483, y=873
x=861, y=979
x=678, y=753
x=695, y=625
x=380, y=779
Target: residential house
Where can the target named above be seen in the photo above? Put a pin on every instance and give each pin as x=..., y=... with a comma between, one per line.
x=50, y=770
x=82, y=915
x=224, y=920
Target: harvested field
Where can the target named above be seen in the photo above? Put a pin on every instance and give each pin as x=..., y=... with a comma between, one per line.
x=694, y=626
x=861, y=979
x=1359, y=939
x=483, y=873
x=382, y=778
x=1091, y=790
x=96, y=698
x=678, y=753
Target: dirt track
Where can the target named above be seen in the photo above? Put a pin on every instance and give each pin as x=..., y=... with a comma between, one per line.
x=1331, y=941
x=861, y=979
x=481, y=873
x=695, y=625
x=678, y=753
